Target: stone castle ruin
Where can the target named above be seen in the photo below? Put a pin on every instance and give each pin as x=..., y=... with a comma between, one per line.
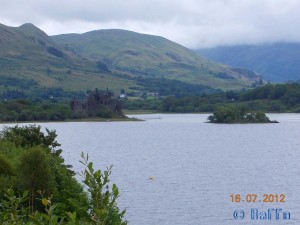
x=98, y=105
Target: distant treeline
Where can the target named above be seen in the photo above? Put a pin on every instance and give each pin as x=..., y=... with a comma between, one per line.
x=41, y=93
x=271, y=98
x=268, y=98
x=167, y=87
x=43, y=110
x=27, y=110
x=15, y=88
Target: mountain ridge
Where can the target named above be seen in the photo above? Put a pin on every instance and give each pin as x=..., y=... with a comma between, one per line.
x=144, y=54
x=118, y=61
x=277, y=62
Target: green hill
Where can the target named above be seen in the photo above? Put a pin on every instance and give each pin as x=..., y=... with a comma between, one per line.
x=277, y=62
x=31, y=62
x=152, y=56
x=29, y=59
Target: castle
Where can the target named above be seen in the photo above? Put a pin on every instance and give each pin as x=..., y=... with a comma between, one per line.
x=96, y=103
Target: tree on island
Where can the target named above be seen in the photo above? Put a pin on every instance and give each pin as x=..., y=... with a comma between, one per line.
x=235, y=114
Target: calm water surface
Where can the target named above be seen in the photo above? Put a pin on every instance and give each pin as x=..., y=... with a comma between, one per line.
x=196, y=166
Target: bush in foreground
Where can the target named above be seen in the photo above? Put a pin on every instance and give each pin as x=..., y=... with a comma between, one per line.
x=39, y=188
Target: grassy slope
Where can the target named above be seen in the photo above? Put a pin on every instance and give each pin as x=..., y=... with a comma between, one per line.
x=150, y=56
x=24, y=56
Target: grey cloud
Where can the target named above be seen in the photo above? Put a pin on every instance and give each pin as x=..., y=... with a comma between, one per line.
x=193, y=23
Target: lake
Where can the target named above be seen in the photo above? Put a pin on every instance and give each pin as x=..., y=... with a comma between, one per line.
x=195, y=166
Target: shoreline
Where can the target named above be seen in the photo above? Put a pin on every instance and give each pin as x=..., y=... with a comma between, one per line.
x=141, y=112
x=75, y=120
x=128, y=112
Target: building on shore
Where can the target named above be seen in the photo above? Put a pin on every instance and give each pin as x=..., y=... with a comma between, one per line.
x=98, y=105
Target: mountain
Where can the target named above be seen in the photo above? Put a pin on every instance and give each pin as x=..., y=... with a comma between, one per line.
x=152, y=56
x=277, y=62
x=30, y=60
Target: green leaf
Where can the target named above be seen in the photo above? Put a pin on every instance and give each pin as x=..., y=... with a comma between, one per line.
x=25, y=194
x=97, y=174
x=90, y=167
x=115, y=190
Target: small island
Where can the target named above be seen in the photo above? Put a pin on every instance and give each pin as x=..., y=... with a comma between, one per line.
x=235, y=114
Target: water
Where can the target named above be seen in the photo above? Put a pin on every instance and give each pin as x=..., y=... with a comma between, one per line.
x=196, y=166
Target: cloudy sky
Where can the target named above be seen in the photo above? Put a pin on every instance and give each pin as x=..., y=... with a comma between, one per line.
x=192, y=23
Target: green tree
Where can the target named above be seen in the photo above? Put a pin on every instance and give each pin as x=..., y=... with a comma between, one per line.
x=237, y=114
x=29, y=136
x=33, y=145
x=35, y=174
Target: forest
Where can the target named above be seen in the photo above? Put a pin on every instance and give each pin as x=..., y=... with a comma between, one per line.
x=268, y=98
x=47, y=110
